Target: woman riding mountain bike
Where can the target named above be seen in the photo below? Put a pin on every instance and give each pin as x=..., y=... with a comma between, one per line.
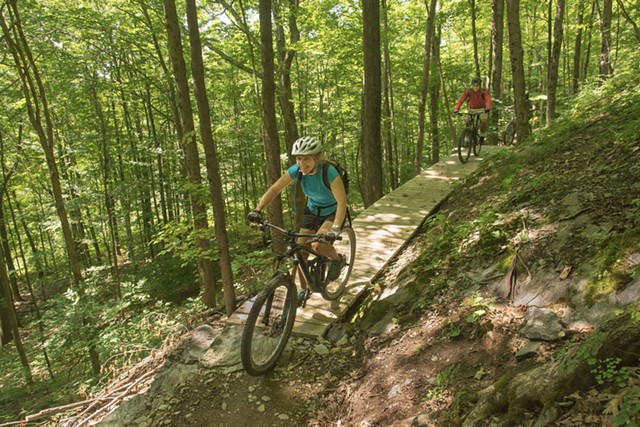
x=272, y=312
x=326, y=208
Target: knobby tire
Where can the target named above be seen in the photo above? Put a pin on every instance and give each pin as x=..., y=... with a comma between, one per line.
x=477, y=143
x=346, y=247
x=268, y=325
x=464, y=151
x=509, y=133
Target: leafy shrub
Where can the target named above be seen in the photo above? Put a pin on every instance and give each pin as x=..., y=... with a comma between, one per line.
x=170, y=279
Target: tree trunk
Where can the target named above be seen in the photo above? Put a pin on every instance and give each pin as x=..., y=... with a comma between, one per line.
x=450, y=126
x=211, y=156
x=474, y=34
x=16, y=231
x=575, y=81
x=35, y=252
x=200, y=223
x=106, y=188
x=38, y=109
x=174, y=109
x=605, y=40
x=6, y=328
x=125, y=198
x=4, y=235
x=388, y=120
x=144, y=184
x=417, y=166
x=270, y=129
x=371, y=104
x=497, y=42
x=34, y=300
x=549, y=37
x=285, y=59
x=6, y=307
x=585, y=61
x=517, y=67
x=554, y=64
x=434, y=96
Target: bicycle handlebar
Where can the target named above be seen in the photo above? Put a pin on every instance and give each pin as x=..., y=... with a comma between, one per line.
x=264, y=225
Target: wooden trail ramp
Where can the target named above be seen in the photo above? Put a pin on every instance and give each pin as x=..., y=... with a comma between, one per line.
x=381, y=231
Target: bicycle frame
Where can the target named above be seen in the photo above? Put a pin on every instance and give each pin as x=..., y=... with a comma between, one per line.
x=295, y=251
x=474, y=123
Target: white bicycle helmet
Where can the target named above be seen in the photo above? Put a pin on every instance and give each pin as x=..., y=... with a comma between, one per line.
x=305, y=146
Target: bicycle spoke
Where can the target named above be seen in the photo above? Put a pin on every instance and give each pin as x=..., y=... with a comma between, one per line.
x=268, y=326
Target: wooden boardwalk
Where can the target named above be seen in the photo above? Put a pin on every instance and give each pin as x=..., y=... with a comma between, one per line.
x=381, y=231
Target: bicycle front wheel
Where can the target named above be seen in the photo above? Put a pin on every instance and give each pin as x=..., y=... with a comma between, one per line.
x=464, y=145
x=477, y=143
x=268, y=326
x=347, y=248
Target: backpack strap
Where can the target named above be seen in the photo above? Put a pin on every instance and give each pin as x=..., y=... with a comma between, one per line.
x=299, y=175
x=325, y=175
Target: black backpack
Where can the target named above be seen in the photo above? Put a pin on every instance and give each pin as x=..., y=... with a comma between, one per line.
x=342, y=172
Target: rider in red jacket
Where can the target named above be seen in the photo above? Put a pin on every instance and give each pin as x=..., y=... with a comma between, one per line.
x=479, y=101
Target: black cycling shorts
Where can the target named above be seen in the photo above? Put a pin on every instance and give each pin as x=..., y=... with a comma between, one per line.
x=310, y=221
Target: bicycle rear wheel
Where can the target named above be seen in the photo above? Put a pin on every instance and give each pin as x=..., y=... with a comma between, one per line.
x=509, y=133
x=268, y=326
x=477, y=143
x=464, y=145
x=347, y=248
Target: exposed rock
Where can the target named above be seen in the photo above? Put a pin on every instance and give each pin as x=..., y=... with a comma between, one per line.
x=542, y=324
x=530, y=349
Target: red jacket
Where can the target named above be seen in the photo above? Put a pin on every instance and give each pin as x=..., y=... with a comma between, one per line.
x=479, y=99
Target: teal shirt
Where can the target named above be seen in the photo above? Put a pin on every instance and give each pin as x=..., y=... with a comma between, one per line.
x=320, y=199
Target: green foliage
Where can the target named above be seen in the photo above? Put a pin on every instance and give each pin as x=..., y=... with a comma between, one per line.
x=636, y=212
x=178, y=239
x=627, y=412
x=445, y=379
x=450, y=329
x=612, y=272
x=571, y=357
x=169, y=278
x=252, y=270
x=122, y=331
x=478, y=306
x=609, y=370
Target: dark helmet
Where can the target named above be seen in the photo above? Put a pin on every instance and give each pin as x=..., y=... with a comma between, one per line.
x=476, y=81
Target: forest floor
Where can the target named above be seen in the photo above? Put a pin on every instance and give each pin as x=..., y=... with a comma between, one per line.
x=428, y=362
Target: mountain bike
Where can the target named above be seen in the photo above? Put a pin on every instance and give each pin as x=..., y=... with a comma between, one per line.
x=510, y=132
x=470, y=137
x=272, y=314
